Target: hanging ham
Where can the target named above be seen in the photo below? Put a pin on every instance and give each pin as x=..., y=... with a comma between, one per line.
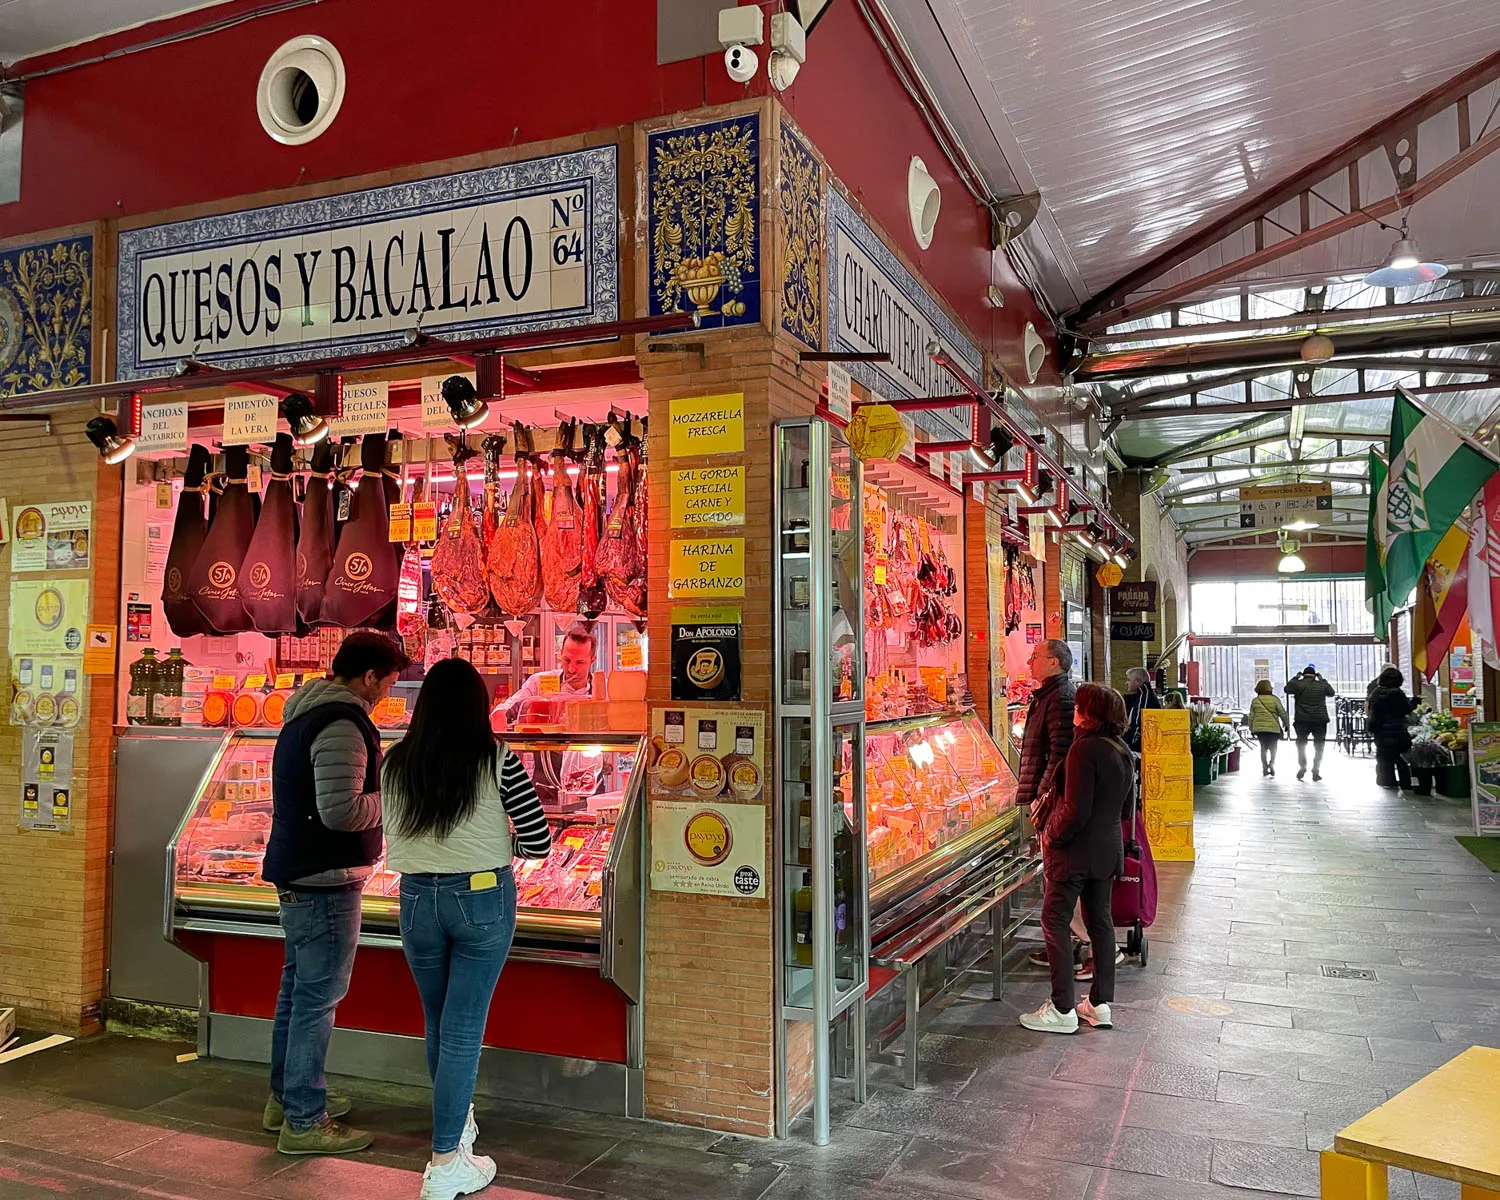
x=315, y=539
x=562, y=544
x=188, y=531
x=489, y=506
x=214, y=580
x=362, y=579
x=592, y=598
x=268, y=579
x=619, y=562
x=515, y=570
x=458, y=577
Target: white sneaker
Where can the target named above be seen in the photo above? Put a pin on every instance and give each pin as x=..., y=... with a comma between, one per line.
x=464, y=1174
x=1048, y=1020
x=471, y=1131
x=1096, y=1015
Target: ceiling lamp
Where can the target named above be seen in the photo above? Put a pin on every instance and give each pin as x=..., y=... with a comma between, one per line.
x=105, y=435
x=1317, y=347
x=1405, y=268
x=465, y=406
x=307, y=427
x=1291, y=562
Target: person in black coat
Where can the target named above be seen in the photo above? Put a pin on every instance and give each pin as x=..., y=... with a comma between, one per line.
x=1389, y=708
x=1082, y=854
x=1049, y=727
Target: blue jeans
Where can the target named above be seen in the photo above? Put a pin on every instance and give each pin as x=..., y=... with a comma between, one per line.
x=322, y=931
x=456, y=940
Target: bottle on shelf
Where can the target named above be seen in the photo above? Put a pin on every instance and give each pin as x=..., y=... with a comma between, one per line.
x=168, y=708
x=140, y=702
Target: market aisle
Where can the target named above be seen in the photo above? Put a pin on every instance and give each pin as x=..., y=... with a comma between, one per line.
x=1235, y=1057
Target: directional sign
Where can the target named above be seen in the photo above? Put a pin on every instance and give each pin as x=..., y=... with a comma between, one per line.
x=1276, y=505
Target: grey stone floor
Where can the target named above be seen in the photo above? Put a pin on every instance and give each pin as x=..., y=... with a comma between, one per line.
x=1235, y=1057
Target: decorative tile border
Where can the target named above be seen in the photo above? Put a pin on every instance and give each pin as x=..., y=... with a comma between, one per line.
x=801, y=194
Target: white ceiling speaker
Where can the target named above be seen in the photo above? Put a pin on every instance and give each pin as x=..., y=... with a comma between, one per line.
x=301, y=90
x=1036, y=352
x=923, y=201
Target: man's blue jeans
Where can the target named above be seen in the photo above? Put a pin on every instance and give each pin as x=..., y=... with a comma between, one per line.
x=322, y=931
x=456, y=939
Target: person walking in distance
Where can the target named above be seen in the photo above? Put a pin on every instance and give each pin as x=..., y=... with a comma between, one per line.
x=1310, y=693
x=452, y=796
x=1267, y=719
x=325, y=837
x=1083, y=852
x=1049, y=733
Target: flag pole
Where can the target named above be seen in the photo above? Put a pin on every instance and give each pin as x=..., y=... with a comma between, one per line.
x=1449, y=426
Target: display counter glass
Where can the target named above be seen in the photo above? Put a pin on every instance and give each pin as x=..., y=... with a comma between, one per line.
x=589, y=789
x=934, y=786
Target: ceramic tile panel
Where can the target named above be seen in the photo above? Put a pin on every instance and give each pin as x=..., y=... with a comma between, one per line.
x=801, y=193
x=46, y=315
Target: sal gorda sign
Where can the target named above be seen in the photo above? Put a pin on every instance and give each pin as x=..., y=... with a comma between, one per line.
x=508, y=249
x=875, y=305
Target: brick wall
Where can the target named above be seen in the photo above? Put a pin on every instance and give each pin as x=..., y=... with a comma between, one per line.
x=53, y=885
x=1162, y=556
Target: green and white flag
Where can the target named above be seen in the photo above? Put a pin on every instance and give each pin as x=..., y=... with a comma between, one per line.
x=1434, y=472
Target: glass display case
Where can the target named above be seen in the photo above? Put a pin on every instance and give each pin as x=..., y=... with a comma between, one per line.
x=934, y=786
x=588, y=886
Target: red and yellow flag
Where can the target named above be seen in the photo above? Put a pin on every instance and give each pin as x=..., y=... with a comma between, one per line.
x=1442, y=600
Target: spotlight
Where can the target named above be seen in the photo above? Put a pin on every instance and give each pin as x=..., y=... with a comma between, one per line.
x=307, y=427
x=105, y=434
x=1001, y=441
x=465, y=406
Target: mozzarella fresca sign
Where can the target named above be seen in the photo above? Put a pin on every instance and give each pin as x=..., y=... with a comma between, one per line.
x=509, y=249
x=875, y=305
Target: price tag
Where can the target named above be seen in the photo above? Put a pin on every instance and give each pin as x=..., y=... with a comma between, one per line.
x=630, y=656
x=164, y=496
x=219, y=810
x=882, y=561
x=252, y=477
x=549, y=685
x=286, y=680
x=345, y=504
x=400, y=523
x=424, y=521
x=226, y=683
x=254, y=682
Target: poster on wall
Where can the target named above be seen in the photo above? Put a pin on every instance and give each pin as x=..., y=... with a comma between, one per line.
x=52, y=537
x=708, y=849
x=46, y=779
x=1484, y=771
x=46, y=691
x=47, y=616
x=706, y=753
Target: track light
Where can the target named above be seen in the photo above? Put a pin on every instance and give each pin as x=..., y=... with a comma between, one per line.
x=105, y=434
x=464, y=405
x=307, y=427
x=1001, y=441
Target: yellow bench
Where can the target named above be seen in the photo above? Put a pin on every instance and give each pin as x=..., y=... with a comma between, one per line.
x=1446, y=1125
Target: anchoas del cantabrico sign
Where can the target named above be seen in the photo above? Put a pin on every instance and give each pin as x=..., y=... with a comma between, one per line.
x=509, y=249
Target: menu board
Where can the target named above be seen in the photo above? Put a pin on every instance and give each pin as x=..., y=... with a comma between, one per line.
x=52, y=537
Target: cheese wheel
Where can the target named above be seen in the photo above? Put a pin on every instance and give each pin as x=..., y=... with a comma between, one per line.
x=216, y=708
x=274, y=708
x=246, y=709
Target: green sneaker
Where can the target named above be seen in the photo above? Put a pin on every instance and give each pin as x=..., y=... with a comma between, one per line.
x=326, y=1137
x=274, y=1116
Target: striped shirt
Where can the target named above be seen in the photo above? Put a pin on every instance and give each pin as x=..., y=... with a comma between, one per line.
x=484, y=841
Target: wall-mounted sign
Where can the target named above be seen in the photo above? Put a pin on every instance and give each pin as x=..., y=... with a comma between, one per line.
x=720, y=754
x=435, y=414
x=250, y=420
x=164, y=426
x=705, y=653
x=1139, y=597
x=706, y=567
x=1275, y=505
x=707, y=496
x=707, y=425
x=840, y=394
x=875, y=305
x=710, y=849
x=1132, y=631
x=46, y=779
x=52, y=537
x=47, y=616
x=524, y=246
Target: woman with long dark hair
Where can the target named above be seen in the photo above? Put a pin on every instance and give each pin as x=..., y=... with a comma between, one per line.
x=452, y=795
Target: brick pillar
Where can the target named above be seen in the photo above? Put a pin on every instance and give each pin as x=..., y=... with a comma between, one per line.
x=1052, y=594
x=977, y=606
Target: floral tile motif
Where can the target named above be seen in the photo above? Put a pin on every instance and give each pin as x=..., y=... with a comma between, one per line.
x=703, y=187
x=802, y=225
x=46, y=316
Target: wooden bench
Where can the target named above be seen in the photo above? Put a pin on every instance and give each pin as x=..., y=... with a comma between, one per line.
x=1446, y=1125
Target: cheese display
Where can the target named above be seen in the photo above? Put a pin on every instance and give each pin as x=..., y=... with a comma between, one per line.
x=929, y=781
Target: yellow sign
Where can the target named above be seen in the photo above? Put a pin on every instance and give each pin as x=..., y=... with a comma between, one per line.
x=718, y=851
x=286, y=680
x=706, y=567
x=226, y=683
x=424, y=521
x=707, y=425
x=48, y=616
x=877, y=432
x=99, y=650
x=400, y=530
x=1109, y=575
x=632, y=657
x=708, y=496
x=1167, y=783
x=708, y=837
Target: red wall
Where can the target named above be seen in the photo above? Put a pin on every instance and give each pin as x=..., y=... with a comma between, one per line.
x=176, y=125
x=1259, y=562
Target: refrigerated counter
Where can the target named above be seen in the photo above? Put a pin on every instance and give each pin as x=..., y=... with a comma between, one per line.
x=570, y=990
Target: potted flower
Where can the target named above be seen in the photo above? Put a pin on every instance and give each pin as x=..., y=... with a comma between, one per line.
x=1427, y=756
x=1209, y=744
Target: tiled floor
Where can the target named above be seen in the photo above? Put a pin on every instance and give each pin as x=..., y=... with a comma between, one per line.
x=1234, y=1059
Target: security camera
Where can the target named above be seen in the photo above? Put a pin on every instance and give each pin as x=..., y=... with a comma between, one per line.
x=782, y=69
x=741, y=62
x=789, y=50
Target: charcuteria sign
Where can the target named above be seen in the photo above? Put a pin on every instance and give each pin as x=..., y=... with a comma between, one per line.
x=509, y=249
